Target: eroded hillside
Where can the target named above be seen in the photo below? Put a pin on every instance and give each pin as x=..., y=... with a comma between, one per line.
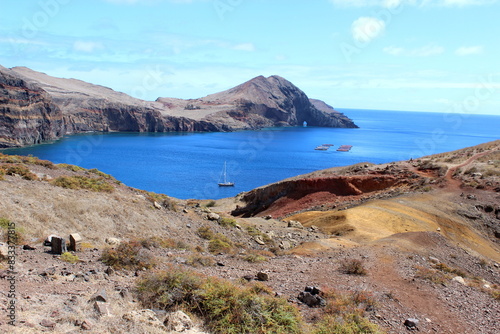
x=380, y=243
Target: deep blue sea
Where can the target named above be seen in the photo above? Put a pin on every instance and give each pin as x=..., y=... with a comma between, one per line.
x=186, y=165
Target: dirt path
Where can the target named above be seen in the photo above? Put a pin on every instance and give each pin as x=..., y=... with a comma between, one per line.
x=453, y=184
x=420, y=300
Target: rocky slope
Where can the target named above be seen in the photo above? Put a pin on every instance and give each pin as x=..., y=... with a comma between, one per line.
x=425, y=233
x=27, y=113
x=257, y=103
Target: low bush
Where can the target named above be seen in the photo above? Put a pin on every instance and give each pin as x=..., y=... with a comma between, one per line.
x=220, y=244
x=72, y=168
x=158, y=242
x=431, y=275
x=225, y=307
x=210, y=204
x=353, y=267
x=12, y=234
x=205, y=232
x=227, y=222
x=445, y=268
x=70, y=258
x=198, y=260
x=128, y=255
x=16, y=169
x=83, y=182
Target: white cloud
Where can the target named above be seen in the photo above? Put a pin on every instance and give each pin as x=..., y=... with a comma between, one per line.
x=84, y=46
x=469, y=50
x=245, y=47
x=425, y=51
x=365, y=29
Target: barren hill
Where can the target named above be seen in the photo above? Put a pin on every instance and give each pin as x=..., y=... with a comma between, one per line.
x=83, y=107
x=381, y=243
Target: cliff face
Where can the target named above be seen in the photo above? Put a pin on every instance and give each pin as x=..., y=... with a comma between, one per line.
x=37, y=107
x=27, y=114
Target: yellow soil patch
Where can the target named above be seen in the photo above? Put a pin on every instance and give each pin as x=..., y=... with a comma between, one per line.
x=381, y=219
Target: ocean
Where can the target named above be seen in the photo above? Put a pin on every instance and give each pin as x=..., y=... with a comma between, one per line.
x=189, y=165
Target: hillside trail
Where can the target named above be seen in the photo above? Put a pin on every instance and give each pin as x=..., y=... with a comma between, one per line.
x=417, y=299
x=454, y=184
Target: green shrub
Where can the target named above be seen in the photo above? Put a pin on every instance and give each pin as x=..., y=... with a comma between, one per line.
x=13, y=236
x=72, y=168
x=198, y=260
x=349, y=324
x=101, y=174
x=205, y=232
x=353, y=267
x=16, y=169
x=210, y=204
x=70, y=258
x=158, y=242
x=128, y=255
x=83, y=182
x=225, y=307
x=218, y=245
x=227, y=222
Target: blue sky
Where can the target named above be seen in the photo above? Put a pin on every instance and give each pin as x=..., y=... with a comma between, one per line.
x=415, y=55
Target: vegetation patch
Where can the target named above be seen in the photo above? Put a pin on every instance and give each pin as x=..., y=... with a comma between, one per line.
x=128, y=255
x=83, y=182
x=257, y=256
x=158, y=242
x=17, y=169
x=345, y=313
x=431, y=275
x=353, y=267
x=225, y=307
x=72, y=168
x=70, y=258
x=198, y=260
x=226, y=222
x=254, y=232
x=445, y=268
x=12, y=236
x=29, y=160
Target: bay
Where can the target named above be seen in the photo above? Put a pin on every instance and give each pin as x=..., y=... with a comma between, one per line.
x=188, y=165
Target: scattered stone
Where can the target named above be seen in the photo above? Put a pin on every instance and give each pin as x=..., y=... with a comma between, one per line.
x=185, y=211
x=75, y=242
x=86, y=325
x=178, y=321
x=102, y=308
x=58, y=245
x=28, y=247
x=157, y=205
x=268, y=217
x=47, y=323
x=313, y=228
x=220, y=264
x=438, y=229
x=213, y=216
x=434, y=260
x=249, y=277
x=471, y=197
x=147, y=317
x=113, y=241
x=411, y=323
x=312, y=290
x=4, y=250
x=262, y=276
x=100, y=296
x=258, y=239
x=295, y=224
x=48, y=272
x=459, y=279
x=469, y=214
x=109, y=271
x=311, y=300
x=285, y=245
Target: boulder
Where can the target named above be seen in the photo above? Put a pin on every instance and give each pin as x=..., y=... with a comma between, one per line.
x=459, y=279
x=113, y=241
x=48, y=240
x=411, y=323
x=4, y=250
x=311, y=300
x=102, y=308
x=295, y=224
x=213, y=216
x=178, y=321
x=58, y=245
x=262, y=276
x=146, y=317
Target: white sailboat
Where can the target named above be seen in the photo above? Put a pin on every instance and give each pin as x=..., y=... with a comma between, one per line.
x=224, y=182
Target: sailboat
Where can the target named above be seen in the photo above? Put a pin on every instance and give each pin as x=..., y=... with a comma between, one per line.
x=225, y=183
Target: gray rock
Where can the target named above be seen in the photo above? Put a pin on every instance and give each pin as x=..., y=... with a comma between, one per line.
x=113, y=241
x=4, y=250
x=47, y=323
x=258, y=239
x=411, y=323
x=102, y=308
x=285, y=245
x=213, y=216
x=100, y=296
x=295, y=224
x=311, y=300
x=157, y=205
x=262, y=276
x=178, y=321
